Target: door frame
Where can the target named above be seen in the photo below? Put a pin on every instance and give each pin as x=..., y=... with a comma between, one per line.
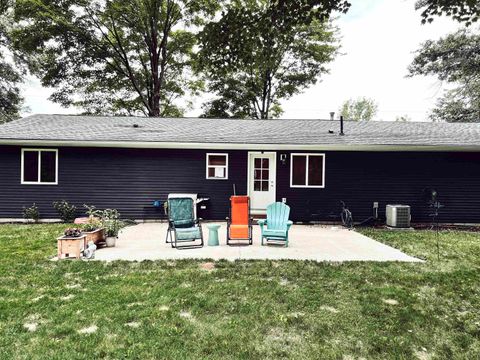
x=249, y=173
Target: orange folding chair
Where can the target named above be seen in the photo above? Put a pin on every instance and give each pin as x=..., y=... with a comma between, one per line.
x=239, y=224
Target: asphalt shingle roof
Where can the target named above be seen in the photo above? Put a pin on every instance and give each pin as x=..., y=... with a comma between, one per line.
x=230, y=131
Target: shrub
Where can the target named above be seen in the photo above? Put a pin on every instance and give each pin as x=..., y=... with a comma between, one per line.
x=65, y=210
x=31, y=212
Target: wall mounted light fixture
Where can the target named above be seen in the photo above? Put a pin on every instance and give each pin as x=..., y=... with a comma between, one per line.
x=283, y=158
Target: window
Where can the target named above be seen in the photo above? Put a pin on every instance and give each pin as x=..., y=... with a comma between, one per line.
x=217, y=166
x=39, y=166
x=261, y=174
x=307, y=170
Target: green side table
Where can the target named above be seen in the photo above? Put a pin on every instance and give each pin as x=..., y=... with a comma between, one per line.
x=213, y=234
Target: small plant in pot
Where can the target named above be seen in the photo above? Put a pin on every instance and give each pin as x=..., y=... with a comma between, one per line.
x=112, y=224
x=72, y=232
x=94, y=229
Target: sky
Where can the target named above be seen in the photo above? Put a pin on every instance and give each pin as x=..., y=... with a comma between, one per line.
x=378, y=39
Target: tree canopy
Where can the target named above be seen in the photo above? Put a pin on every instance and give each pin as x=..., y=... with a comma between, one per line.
x=113, y=56
x=454, y=59
x=11, y=74
x=465, y=11
x=260, y=52
x=361, y=109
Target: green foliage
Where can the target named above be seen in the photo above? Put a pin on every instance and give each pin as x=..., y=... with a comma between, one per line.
x=11, y=74
x=108, y=219
x=92, y=224
x=261, y=52
x=94, y=218
x=112, y=57
x=465, y=11
x=72, y=232
x=111, y=222
x=91, y=211
x=361, y=109
x=31, y=213
x=454, y=59
x=65, y=210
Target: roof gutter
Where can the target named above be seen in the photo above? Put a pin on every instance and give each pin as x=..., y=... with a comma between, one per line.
x=236, y=146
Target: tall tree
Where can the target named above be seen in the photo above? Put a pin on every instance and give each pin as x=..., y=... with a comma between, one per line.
x=361, y=109
x=465, y=11
x=112, y=56
x=454, y=59
x=10, y=75
x=260, y=52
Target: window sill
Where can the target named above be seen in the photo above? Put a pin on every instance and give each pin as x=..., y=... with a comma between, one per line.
x=37, y=183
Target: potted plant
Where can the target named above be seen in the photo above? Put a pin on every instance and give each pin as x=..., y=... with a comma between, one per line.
x=112, y=224
x=93, y=229
x=71, y=243
x=72, y=233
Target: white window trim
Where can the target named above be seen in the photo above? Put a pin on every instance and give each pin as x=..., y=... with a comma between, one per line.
x=39, y=182
x=306, y=170
x=217, y=166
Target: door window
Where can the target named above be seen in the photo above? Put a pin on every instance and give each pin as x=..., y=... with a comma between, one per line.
x=261, y=174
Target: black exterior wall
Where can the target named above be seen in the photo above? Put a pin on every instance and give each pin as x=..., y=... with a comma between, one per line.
x=130, y=179
x=360, y=178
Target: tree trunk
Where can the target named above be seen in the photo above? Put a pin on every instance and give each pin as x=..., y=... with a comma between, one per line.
x=155, y=61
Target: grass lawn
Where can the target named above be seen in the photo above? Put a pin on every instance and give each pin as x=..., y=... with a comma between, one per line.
x=247, y=309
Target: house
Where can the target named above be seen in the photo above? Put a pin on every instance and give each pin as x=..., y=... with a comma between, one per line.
x=128, y=162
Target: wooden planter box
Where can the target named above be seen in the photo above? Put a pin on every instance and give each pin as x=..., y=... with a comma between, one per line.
x=70, y=246
x=97, y=236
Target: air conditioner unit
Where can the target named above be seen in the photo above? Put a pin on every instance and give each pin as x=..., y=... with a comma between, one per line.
x=398, y=216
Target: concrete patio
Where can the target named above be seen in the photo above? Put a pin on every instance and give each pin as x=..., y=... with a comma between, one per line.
x=319, y=243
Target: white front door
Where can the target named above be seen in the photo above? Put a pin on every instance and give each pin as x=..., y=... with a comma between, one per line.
x=262, y=180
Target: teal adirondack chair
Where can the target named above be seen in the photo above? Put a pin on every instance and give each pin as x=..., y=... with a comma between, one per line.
x=277, y=223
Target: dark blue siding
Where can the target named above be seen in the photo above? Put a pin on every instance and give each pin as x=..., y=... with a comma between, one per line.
x=360, y=178
x=130, y=179
x=126, y=179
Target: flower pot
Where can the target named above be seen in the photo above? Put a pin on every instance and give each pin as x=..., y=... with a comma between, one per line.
x=70, y=246
x=97, y=236
x=111, y=240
